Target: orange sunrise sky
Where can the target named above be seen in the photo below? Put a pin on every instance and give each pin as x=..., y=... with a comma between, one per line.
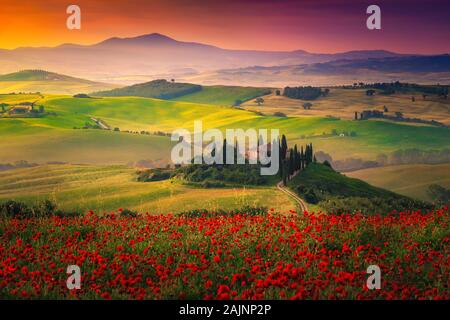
x=316, y=26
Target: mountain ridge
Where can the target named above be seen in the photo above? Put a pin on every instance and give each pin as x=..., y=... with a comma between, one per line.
x=156, y=56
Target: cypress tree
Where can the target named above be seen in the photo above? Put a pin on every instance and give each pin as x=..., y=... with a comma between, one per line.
x=280, y=160
x=284, y=147
x=295, y=158
x=302, y=159
x=224, y=151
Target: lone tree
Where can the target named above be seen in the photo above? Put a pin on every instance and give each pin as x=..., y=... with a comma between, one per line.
x=277, y=92
x=307, y=105
x=259, y=101
x=399, y=114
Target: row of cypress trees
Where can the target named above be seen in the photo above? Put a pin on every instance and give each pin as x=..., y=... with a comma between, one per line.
x=293, y=160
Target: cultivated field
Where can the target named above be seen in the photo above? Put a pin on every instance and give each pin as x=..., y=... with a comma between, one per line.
x=409, y=180
x=342, y=103
x=53, y=137
x=108, y=188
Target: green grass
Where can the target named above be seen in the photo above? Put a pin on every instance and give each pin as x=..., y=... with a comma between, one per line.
x=223, y=95
x=335, y=192
x=321, y=177
x=52, y=138
x=160, y=89
x=410, y=180
x=42, y=138
x=105, y=188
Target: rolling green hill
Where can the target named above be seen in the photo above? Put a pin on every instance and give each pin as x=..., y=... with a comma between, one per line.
x=160, y=89
x=333, y=191
x=44, y=138
x=48, y=82
x=187, y=92
x=411, y=180
x=223, y=95
x=53, y=138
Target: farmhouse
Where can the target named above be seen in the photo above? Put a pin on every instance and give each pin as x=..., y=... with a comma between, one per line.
x=20, y=109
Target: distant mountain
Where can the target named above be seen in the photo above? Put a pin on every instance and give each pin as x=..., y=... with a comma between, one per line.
x=411, y=64
x=160, y=89
x=48, y=82
x=420, y=69
x=155, y=55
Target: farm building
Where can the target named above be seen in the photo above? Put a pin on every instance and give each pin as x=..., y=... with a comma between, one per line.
x=20, y=109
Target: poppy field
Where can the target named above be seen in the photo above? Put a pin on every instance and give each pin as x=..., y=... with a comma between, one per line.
x=239, y=256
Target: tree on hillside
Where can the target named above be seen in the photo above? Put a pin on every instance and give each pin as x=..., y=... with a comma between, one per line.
x=259, y=101
x=307, y=105
x=283, y=147
x=224, y=151
x=399, y=114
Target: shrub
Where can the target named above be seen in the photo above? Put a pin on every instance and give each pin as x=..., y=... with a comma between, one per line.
x=12, y=208
x=44, y=208
x=128, y=213
x=81, y=95
x=154, y=175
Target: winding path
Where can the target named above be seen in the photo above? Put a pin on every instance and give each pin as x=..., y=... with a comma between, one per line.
x=297, y=199
x=101, y=123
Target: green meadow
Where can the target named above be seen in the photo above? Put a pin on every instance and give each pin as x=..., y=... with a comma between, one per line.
x=108, y=188
x=99, y=172
x=34, y=138
x=222, y=95
x=410, y=180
